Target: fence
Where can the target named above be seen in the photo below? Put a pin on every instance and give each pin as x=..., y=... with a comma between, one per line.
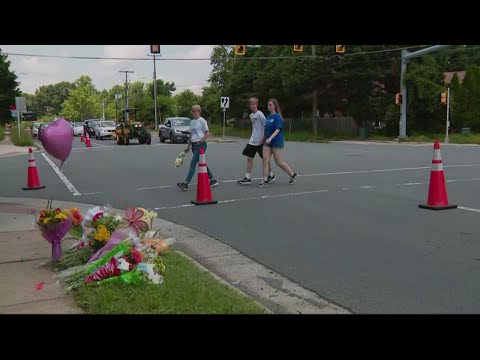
x=326, y=125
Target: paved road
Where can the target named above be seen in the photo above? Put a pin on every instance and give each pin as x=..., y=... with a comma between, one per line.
x=349, y=229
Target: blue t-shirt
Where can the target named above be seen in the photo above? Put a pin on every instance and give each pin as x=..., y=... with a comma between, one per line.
x=273, y=123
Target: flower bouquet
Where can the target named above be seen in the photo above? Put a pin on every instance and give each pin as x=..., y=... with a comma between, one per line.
x=129, y=261
x=54, y=224
x=180, y=158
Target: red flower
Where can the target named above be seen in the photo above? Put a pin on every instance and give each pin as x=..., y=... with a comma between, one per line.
x=136, y=256
x=106, y=271
x=97, y=216
x=133, y=216
x=76, y=216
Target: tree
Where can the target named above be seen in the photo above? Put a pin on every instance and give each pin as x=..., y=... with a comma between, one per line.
x=467, y=108
x=49, y=98
x=184, y=102
x=165, y=89
x=83, y=102
x=8, y=88
x=424, y=81
x=210, y=102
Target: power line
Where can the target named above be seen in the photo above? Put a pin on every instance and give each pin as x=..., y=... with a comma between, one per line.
x=200, y=59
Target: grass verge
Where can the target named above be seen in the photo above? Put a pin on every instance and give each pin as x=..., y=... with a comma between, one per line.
x=25, y=138
x=186, y=290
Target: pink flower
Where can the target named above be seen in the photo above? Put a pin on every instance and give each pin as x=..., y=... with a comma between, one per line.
x=133, y=216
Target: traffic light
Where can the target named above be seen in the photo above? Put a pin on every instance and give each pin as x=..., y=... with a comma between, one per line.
x=340, y=49
x=398, y=98
x=443, y=97
x=240, y=49
x=155, y=49
x=298, y=48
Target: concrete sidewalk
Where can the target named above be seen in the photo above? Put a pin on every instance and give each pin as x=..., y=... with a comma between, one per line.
x=28, y=284
x=8, y=149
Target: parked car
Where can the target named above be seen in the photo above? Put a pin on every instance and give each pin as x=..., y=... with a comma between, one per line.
x=35, y=128
x=89, y=127
x=175, y=129
x=40, y=128
x=104, y=129
x=77, y=128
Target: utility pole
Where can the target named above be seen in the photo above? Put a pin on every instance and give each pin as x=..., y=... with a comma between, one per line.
x=447, y=139
x=154, y=50
x=406, y=56
x=126, y=91
x=314, y=104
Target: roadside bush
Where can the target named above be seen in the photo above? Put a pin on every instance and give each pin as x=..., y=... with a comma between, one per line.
x=25, y=138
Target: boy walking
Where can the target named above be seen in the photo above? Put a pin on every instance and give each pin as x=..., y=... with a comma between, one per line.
x=255, y=145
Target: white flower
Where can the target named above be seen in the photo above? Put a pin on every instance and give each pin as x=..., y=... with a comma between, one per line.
x=122, y=264
x=156, y=279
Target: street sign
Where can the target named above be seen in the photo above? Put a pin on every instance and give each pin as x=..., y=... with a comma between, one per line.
x=224, y=102
x=21, y=104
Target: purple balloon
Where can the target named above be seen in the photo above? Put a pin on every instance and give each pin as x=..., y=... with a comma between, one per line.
x=57, y=139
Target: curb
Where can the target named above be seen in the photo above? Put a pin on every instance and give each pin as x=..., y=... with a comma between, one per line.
x=274, y=292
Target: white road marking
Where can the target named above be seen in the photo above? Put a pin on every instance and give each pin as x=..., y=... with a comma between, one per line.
x=91, y=193
x=469, y=209
x=62, y=177
x=248, y=198
x=377, y=170
x=155, y=187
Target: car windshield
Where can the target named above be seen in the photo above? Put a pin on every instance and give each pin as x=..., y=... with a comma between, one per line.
x=78, y=124
x=107, y=124
x=181, y=122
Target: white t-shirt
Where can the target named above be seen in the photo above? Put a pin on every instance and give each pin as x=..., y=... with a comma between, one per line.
x=258, y=126
x=198, y=128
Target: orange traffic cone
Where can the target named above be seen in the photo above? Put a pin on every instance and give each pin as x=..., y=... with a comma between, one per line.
x=437, y=192
x=204, y=192
x=33, y=183
x=81, y=138
x=87, y=141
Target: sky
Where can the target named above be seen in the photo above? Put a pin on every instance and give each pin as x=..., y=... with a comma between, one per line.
x=33, y=72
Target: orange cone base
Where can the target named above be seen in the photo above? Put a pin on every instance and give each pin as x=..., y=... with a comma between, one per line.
x=445, y=207
x=33, y=188
x=204, y=203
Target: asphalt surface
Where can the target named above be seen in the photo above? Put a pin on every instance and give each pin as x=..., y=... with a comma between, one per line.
x=349, y=229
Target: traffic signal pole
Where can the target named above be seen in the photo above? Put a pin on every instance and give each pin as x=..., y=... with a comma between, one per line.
x=406, y=56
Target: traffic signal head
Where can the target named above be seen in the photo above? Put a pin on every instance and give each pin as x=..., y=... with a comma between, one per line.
x=443, y=97
x=298, y=48
x=398, y=98
x=240, y=49
x=340, y=49
x=155, y=49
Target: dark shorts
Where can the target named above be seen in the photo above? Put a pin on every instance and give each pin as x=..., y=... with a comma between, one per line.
x=279, y=145
x=251, y=150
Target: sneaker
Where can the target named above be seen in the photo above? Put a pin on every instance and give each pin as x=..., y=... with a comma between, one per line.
x=262, y=184
x=244, y=181
x=183, y=186
x=293, y=178
x=213, y=183
x=270, y=179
